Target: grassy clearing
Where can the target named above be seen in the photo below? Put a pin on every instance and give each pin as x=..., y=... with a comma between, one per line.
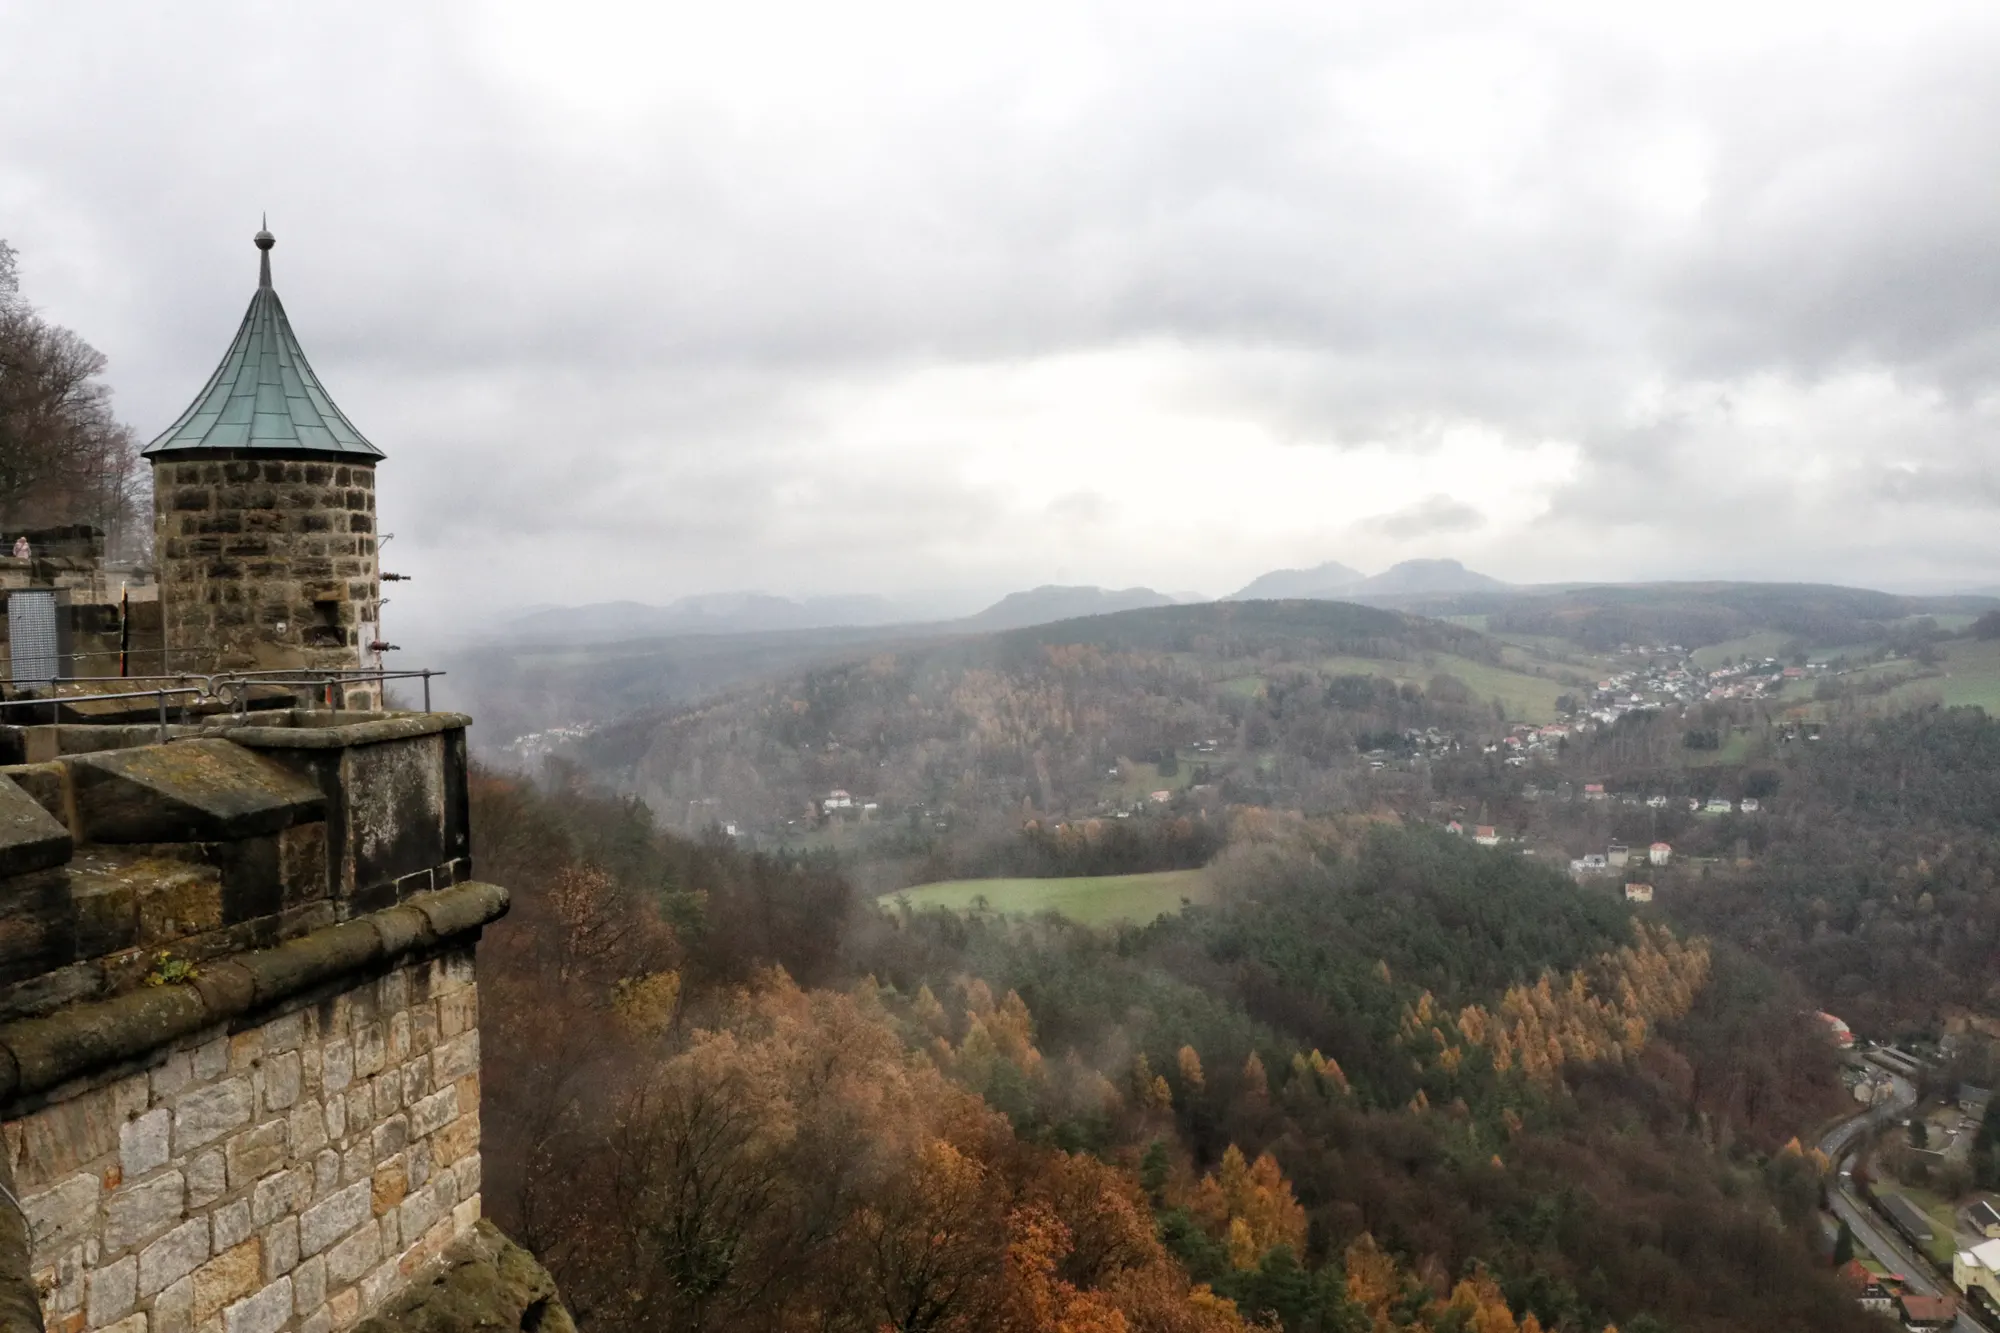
x=1528, y=698
x=1093, y=900
x=1971, y=676
x=1242, y=687
x=1944, y=1223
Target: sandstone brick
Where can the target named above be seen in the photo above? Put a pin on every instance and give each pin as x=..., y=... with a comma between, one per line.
x=283, y=1078
x=417, y=1163
x=255, y=1153
x=390, y=1137
x=137, y=1215
x=417, y=1081
x=265, y=1312
x=346, y=1307
x=59, y=1140
x=399, y=1037
x=391, y=1234
x=354, y=1256
x=246, y=1048
x=229, y=1225
x=465, y=1214
x=357, y=1163
x=360, y=1107
x=324, y=1223
x=305, y=1129
x=309, y=1284
x=113, y=1291
x=390, y=1186
x=227, y=1278
x=173, y=1256
x=173, y=1309
x=423, y=1028
x=281, y=1248
x=370, y=1050
x=336, y=1118
x=319, y=1321
x=131, y=1323
x=69, y=1323
x=207, y=1177
x=206, y=1114
x=457, y=1012
x=434, y=1112
x=65, y=1213
x=467, y=1174
x=456, y=1139
x=143, y=1143
x=454, y=1059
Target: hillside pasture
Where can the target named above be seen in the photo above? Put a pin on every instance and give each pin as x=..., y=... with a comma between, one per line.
x=1527, y=697
x=1091, y=900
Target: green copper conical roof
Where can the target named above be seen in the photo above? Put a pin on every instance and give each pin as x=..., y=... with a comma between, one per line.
x=264, y=395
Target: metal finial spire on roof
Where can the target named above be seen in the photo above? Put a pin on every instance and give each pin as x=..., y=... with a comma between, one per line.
x=264, y=240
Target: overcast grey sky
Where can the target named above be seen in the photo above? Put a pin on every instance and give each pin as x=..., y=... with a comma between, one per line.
x=648, y=299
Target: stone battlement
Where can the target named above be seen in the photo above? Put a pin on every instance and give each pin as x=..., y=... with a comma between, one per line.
x=239, y=1052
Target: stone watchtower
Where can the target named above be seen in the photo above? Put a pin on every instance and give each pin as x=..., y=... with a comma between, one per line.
x=264, y=503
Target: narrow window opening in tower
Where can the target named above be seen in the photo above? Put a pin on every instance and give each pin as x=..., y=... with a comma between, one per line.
x=325, y=631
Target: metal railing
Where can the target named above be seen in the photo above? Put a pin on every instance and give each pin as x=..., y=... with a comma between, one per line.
x=229, y=688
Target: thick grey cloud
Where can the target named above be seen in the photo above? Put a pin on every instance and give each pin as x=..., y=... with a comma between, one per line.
x=647, y=301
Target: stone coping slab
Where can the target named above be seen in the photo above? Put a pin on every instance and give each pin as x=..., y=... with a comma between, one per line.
x=38, y=1054
x=340, y=736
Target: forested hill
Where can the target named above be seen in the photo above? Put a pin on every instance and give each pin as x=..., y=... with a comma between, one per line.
x=1263, y=702
x=1389, y=1081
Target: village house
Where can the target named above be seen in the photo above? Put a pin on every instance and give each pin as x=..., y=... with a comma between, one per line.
x=1617, y=854
x=1985, y=1219
x=1486, y=836
x=1922, y=1312
x=1660, y=853
x=1638, y=893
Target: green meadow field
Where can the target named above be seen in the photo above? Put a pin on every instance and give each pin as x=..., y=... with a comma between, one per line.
x=1092, y=900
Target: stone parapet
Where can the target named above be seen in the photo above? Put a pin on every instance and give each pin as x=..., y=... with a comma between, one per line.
x=280, y=1148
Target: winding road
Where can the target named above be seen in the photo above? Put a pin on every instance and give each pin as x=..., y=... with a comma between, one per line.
x=1870, y=1233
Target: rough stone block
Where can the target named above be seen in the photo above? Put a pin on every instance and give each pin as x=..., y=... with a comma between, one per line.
x=465, y=1214
x=229, y=1225
x=113, y=1291
x=390, y=1185
x=281, y=1195
x=370, y=1050
x=390, y=1137
x=207, y=1178
x=137, y=1213
x=457, y=1012
x=211, y=1059
x=173, y=1309
x=143, y=1143
x=309, y=1285
x=206, y=1114
x=456, y=1139
x=70, y=1135
x=67, y=1212
x=177, y=899
x=337, y=1066
x=434, y=1112
x=353, y=1256
x=227, y=1278
x=326, y=1175
x=131, y=1323
x=171, y=1075
x=255, y=1153
x=281, y=1248
x=306, y=1128
x=324, y=1223
x=282, y=1077
x=266, y=1312
x=422, y=1209
x=30, y=837
x=173, y=1256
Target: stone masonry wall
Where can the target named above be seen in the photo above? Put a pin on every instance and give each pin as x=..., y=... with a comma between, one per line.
x=289, y=1175
x=265, y=563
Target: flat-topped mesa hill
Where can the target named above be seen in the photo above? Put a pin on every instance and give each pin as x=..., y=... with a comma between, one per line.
x=1079, y=716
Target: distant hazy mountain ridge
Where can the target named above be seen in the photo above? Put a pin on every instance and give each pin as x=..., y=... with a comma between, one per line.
x=1337, y=582
x=1050, y=602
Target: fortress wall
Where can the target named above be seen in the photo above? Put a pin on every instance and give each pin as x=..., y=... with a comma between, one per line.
x=290, y=1172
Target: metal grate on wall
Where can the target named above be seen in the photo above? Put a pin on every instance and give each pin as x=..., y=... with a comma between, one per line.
x=31, y=638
